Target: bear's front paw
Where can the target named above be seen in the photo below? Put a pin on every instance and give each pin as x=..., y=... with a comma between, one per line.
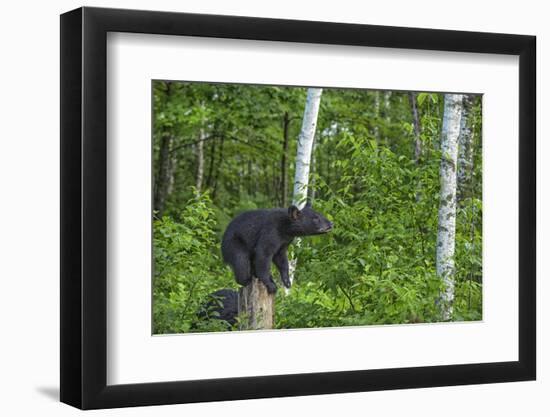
x=286, y=282
x=271, y=288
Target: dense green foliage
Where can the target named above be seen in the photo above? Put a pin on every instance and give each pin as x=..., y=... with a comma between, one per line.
x=378, y=264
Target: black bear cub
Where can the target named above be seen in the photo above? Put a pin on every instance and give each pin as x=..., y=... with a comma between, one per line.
x=221, y=305
x=256, y=238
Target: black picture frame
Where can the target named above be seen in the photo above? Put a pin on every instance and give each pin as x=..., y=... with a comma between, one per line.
x=84, y=207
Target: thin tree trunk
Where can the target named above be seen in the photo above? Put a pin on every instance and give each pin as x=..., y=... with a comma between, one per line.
x=163, y=174
x=284, y=161
x=218, y=168
x=275, y=181
x=416, y=128
x=417, y=139
x=211, y=164
x=465, y=148
x=303, y=157
x=445, y=266
x=200, y=161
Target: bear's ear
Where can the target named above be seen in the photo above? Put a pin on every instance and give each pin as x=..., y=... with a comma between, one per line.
x=293, y=212
x=308, y=204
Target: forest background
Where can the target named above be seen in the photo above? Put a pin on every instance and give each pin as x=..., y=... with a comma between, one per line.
x=379, y=163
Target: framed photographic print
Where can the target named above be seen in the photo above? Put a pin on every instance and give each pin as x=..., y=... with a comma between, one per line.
x=257, y=208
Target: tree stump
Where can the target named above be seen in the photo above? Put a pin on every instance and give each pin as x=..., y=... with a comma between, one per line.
x=256, y=306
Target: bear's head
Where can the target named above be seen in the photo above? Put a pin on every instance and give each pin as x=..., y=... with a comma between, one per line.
x=307, y=222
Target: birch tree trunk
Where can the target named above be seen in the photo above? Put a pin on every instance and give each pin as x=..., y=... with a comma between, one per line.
x=303, y=157
x=218, y=167
x=387, y=119
x=445, y=266
x=200, y=161
x=416, y=128
x=465, y=148
x=211, y=164
x=305, y=145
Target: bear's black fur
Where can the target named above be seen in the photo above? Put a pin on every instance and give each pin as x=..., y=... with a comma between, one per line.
x=222, y=305
x=256, y=238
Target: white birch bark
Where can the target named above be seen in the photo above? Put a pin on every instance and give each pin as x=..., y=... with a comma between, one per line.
x=303, y=157
x=387, y=95
x=445, y=266
x=305, y=145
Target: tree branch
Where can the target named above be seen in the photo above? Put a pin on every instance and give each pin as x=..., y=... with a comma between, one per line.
x=348, y=297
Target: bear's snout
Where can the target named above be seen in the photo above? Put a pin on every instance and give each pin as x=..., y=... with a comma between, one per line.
x=328, y=227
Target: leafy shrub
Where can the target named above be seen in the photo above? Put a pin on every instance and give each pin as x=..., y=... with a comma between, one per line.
x=187, y=268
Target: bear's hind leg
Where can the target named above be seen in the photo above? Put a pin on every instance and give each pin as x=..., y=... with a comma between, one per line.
x=240, y=263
